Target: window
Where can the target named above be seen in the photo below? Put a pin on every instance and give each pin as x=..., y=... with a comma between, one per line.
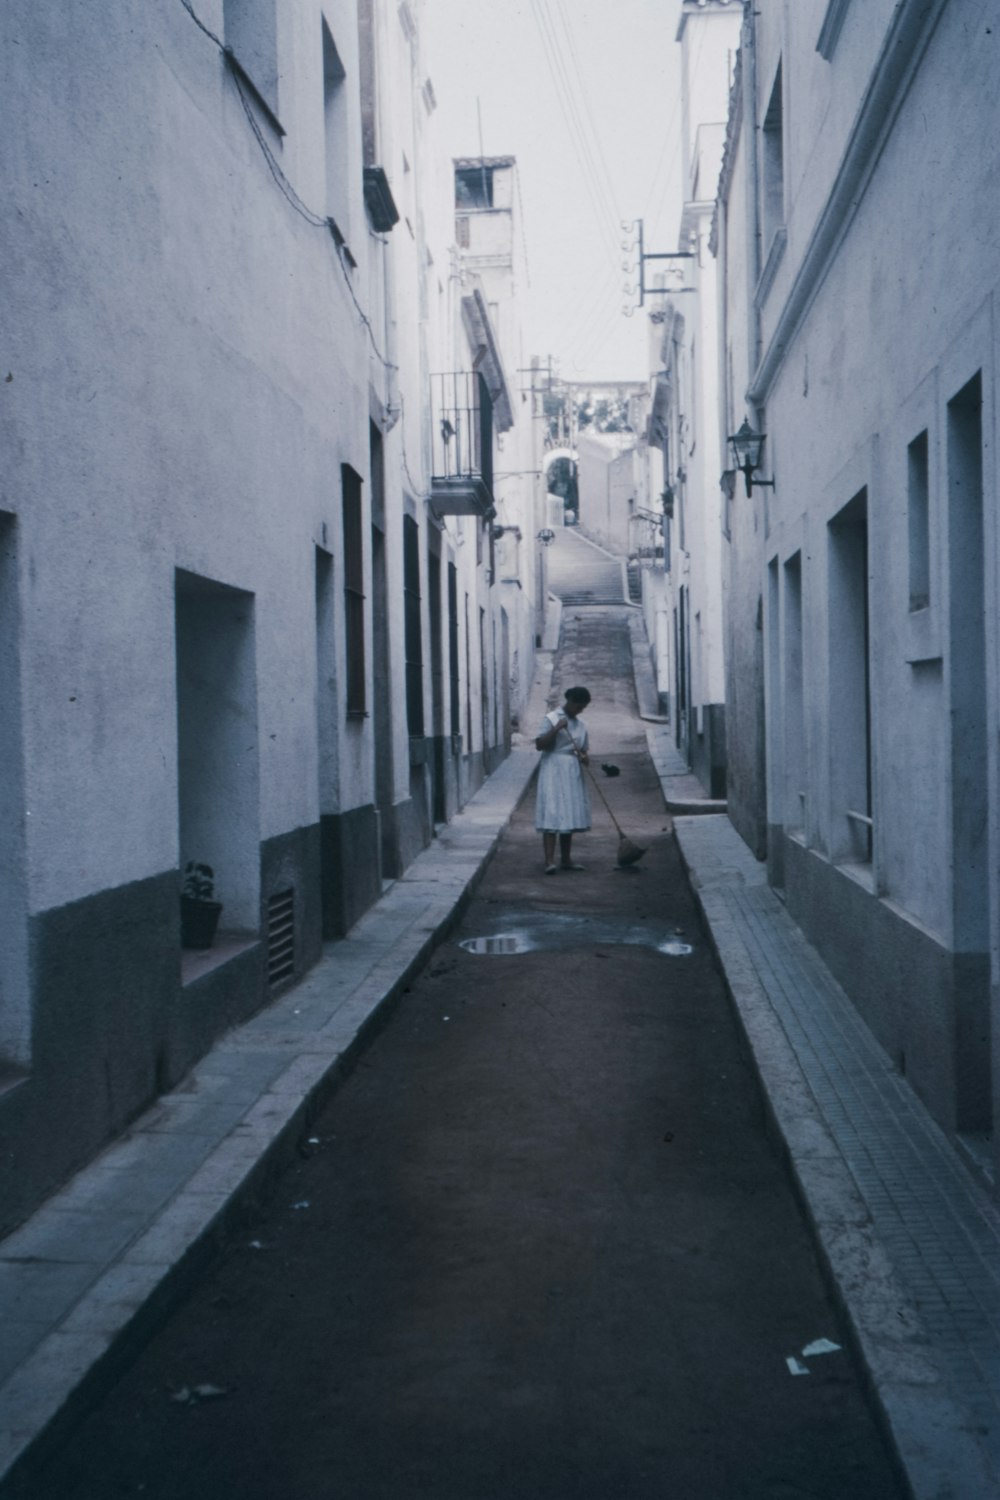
x=335, y=127
x=474, y=187
x=354, y=592
x=437, y=645
x=484, y=432
x=453, y=692
x=918, y=518
x=773, y=165
x=484, y=696
x=468, y=678
x=326, y=682
x=440, y=812
x=413, y=635
x=251, y=33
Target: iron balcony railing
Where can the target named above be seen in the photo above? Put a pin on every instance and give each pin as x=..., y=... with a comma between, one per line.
x=461, y=444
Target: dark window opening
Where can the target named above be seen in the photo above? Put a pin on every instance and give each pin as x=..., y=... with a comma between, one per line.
x=918, y=496
x=773, y=164
x=453, y=687
x=437, y=645
x=484, y=433
x=354, y=592
x=474, y=187
x=413, y=635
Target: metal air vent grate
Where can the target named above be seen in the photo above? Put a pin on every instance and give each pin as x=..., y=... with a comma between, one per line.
x=280, y=937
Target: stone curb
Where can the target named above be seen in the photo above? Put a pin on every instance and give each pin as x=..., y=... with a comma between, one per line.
x=646, y=695
x=692, y=808
x=938, y=1457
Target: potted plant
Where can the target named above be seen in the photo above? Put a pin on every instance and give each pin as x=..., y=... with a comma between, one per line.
x=200, y=911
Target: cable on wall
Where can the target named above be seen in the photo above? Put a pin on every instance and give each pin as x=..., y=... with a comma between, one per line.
x=318, y=221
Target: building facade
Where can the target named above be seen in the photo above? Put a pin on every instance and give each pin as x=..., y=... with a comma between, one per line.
x=860, y=334
x=686, y=449
x=235, y=630
x=486, y=346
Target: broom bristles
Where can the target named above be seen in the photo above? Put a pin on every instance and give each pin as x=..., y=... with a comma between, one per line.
x=628, y=852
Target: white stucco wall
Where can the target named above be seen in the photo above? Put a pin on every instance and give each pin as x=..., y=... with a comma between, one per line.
x=184, y=390
x=608, y=487
x=904, y=270
x=685, y=339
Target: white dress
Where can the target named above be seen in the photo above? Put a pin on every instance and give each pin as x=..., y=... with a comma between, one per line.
x=562, y=804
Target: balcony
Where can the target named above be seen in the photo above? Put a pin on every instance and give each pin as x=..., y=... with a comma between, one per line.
x=461, y=446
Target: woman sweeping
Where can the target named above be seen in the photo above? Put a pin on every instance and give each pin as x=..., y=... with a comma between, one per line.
x=562, y=805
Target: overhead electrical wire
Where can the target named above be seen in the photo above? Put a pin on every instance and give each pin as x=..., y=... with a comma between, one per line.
x=318, y=221
x=588, y=135
x=603, y=200
x=605, y=294
x=600, y=333
x=583, y=97
x=593, y=323
x=669, y=140
x=603, y=205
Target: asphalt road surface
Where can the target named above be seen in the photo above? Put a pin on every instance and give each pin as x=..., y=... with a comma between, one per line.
x=539, y=1246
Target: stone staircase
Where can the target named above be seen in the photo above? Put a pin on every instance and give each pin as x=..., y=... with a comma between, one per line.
x=582, y=573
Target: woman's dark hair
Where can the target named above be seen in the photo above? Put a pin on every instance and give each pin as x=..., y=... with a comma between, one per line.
x=578, y=695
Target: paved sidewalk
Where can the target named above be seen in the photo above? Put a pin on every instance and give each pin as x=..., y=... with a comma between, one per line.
x=83, y=1281
x=682, y=791
x=911, y=1241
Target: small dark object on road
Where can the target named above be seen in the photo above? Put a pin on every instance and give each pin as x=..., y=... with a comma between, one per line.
x=610, y=770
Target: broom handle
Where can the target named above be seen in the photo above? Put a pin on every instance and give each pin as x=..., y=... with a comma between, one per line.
x=597, y=788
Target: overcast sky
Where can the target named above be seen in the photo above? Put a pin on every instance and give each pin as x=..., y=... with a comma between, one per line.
x=585, y=94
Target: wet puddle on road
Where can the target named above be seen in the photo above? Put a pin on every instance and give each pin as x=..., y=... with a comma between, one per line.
x=558, y=934
x=501, y=942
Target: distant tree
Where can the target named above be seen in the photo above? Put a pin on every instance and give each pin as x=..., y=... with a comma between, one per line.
x=603, y=413
x=554, y=409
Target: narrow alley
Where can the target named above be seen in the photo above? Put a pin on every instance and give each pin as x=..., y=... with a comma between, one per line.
x=538, y=1244
x=375, y=374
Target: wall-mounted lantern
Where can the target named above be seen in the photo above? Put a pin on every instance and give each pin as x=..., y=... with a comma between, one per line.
x=499, y=532
x=747, y=446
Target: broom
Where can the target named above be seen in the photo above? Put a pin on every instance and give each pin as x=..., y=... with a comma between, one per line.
x=628, y=852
